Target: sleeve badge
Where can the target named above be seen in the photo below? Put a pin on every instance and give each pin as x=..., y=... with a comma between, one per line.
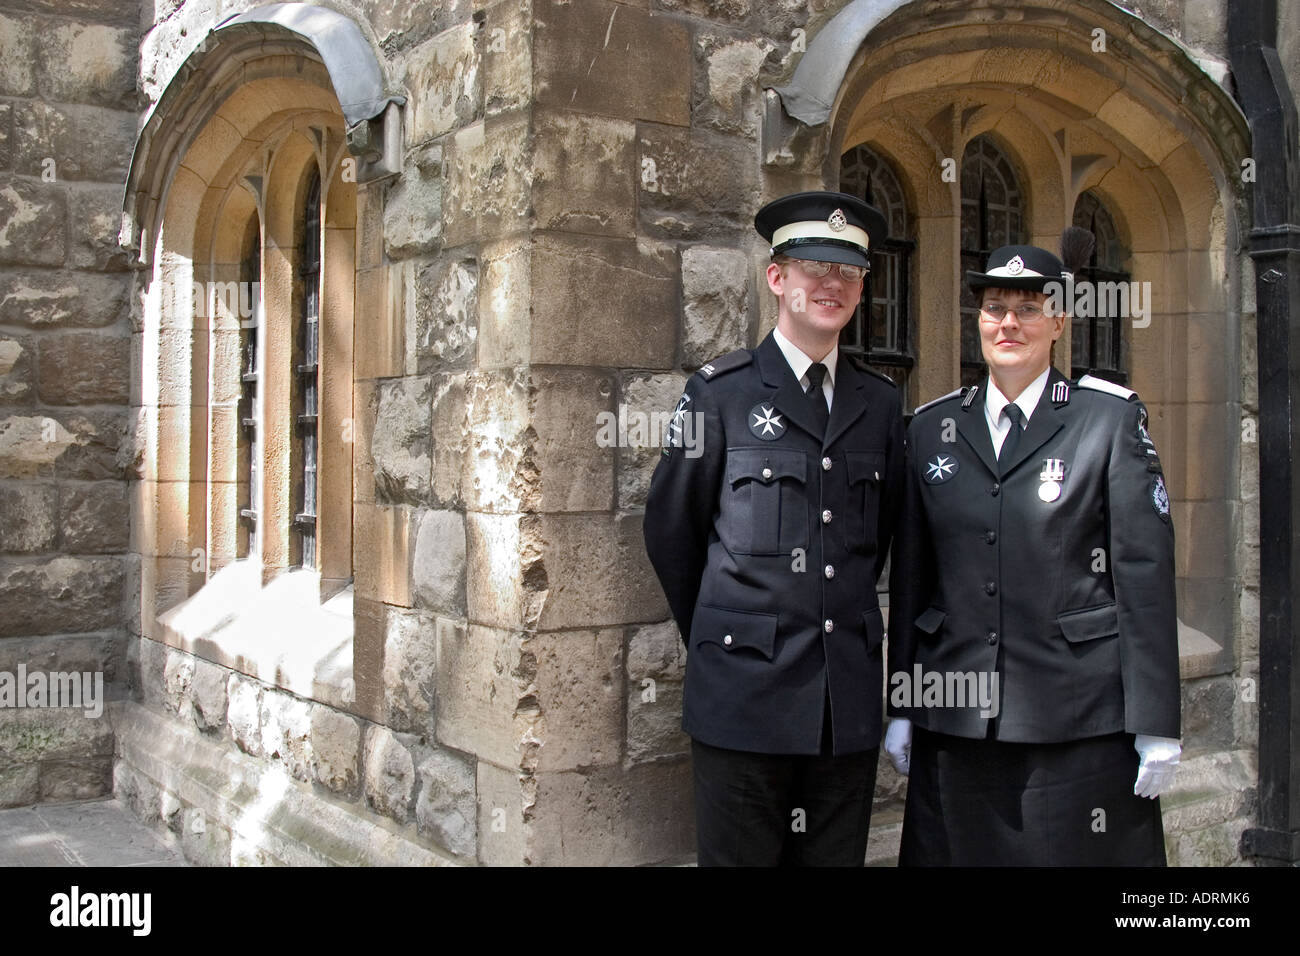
x=1160, y=496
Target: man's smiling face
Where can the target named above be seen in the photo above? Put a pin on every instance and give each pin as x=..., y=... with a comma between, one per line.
x=821, y=306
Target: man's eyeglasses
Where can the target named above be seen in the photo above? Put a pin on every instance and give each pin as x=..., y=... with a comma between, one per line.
x=1025, y=312
x=815, y=269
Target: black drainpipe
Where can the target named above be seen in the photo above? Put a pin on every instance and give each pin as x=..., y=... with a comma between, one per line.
x=1266, y=99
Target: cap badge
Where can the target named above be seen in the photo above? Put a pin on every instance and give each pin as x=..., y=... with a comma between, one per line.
x=1016, y=266
x=837, y=221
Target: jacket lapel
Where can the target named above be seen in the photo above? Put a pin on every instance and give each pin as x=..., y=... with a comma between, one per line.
x=972, y=425
x=850, y=399
x=789, y=398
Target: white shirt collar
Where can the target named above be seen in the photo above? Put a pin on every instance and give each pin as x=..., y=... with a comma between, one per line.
x=799, y=362
x=1026, y=401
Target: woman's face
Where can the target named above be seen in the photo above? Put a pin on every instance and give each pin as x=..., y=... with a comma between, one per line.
x=1015, y=343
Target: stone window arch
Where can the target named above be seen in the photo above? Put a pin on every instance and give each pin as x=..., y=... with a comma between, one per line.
x=881, y=326
x=992, y=215
x=1097, y=340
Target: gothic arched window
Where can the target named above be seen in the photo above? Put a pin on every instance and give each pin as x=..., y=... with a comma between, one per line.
x=880, y=326
x=992, y=215
x=1096, y=339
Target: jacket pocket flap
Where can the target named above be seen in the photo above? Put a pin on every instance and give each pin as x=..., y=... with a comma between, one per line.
x=930, y=619
x=733, y=630
x=1090, y=623
x=874, y=624
x=865, y=465
x=760, y=464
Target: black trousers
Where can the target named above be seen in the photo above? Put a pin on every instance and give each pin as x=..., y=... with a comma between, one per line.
x=780, y=810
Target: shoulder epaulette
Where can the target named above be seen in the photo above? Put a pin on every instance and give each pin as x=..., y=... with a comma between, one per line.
x=942, y=398
x=860, y=363
x=726, y=363
x=1102, y=385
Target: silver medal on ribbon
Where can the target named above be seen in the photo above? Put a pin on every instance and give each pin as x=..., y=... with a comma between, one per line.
x=1051, y=476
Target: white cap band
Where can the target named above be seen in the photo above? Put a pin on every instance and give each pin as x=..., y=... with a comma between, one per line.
x=818, y=229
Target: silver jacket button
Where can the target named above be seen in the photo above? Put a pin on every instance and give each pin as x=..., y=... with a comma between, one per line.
x=826, y=464
x=727, y=640
x=830, y=571
x=829, y=625
x=767, y=473
x=826, y=516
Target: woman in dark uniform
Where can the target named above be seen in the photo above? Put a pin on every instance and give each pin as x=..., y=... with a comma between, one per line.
x=1033, y=648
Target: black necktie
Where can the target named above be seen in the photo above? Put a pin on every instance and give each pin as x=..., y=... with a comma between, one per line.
x=1013, y=437
x=816, y=396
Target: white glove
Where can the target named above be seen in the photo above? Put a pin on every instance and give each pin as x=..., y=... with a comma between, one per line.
x=898, y=743
x=1159, y=762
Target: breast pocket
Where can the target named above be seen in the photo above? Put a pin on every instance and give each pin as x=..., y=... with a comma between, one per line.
x=764, y=507
x=865, y=469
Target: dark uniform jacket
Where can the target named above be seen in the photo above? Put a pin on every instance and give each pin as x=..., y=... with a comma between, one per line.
x=1066, y=593
x=768, y=545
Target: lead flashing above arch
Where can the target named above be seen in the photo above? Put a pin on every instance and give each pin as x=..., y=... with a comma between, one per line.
x=372, y=115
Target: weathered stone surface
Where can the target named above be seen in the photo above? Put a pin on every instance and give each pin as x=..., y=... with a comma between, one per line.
x=243, y=713
x=507, y=56
x=53, y=143
x=33, y=223
x=82, y=779
x=102, y=11
x=576, y=436
x=716, y=303
x=413, y=212
x=724, y=11
x=6, y=133
x=410, y=656
x=447, y=805
x=178, y=674
x=97, y=211
x=88, y=63
x=486, y=703
x=585, y=174
x=95, y=518
x=696, y=185
x=504, y=796
x=489, y=189
x=656, y=667
x=727, y=95
x=59, y=594
x=1207, y=709
x=204, y=841
x=401, y=446
x=450, y=439
x=335, y=749
x=579, y=697
x=438, y=574
x=605, y=302
x=85, y=368
x=505, y=578
x=286, y=731
x=443, y=77
x=612, y=817
x=446, y=315
x=17, y=56
x=400, y=24
x=208, y=694
x=147, y=663
x=19, y=786
x=390, y=774
x=28, y=515
x=651, y=398
x=53, y=734
x=500, y=471
x=595, y=56
x=16, y=365
x=505, y=285
x=103, y=652
x=597, y=572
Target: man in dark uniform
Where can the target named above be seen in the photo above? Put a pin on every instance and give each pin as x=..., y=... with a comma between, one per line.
x=768, y=524
x=1036, y=560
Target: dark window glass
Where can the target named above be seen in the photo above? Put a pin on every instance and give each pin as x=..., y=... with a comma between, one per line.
x=305, y=403
x=250, y=444
x=1096, y=339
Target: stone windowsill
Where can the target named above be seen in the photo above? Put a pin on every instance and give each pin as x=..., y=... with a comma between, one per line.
x=280, y=634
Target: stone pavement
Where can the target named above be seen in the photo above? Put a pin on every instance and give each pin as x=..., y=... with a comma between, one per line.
x=92, y=833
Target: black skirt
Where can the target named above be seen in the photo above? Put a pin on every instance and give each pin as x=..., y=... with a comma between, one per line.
x=989, y=803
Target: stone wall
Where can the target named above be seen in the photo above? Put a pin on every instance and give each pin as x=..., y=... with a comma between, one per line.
x=67, y=121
